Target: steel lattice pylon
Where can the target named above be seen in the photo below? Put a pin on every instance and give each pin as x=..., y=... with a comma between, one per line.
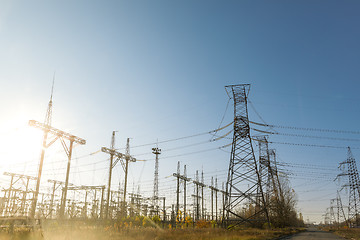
x=244, y=199
x=354, y=188
x=267, y=170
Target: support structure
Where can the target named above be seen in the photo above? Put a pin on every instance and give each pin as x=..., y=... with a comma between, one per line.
x=350, y=170
x=185, y=179
x=270, y=179
x=155, y=203
x=56, y=186
x=198, y=184
x=56, y=134
x=243, y=186
x=124, y=159
x=112, y=147
x=214, y=190
x=177, y=175
x=16, y=203
x=340, y=209
x=90, y=191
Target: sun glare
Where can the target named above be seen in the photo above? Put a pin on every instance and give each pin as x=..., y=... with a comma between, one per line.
x=20, y=144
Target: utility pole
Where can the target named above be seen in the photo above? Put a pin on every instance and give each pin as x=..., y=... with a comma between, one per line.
x=223, y=201
x=121, y=158
x=216, y=199
x=214, y=190
x=202, y=195
x=127, y=159
x=212, y=198
x=112, y=147
x=202, y=185
x=57, y=134
x=164, y=209
x=156, y=151
x=177, y=175
x=185, y=179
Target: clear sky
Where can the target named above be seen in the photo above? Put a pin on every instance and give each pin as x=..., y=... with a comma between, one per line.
x=156, y=70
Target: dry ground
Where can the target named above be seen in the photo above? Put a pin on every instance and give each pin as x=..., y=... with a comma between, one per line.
x=92, y=233
x=348, y=233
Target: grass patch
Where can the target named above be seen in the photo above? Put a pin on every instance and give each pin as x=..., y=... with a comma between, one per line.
x=97, y=233
x=348, y=233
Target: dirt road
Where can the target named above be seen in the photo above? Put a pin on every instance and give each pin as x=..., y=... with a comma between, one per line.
x=313, y=234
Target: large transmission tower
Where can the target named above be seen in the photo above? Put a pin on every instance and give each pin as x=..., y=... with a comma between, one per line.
x=354, y=188
x=243, y=186
x=267, y=171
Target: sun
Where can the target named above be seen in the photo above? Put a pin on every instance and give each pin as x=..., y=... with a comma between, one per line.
x=20, y=145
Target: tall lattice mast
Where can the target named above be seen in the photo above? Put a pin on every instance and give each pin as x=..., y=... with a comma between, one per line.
x=354, y=188
x=48, y=116
x=47, y=123
x=243, y=186
x=156, y=151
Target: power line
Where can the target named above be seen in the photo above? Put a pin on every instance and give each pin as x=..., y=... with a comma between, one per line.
x=312, y=145
x=307, y=129
x=181, y=138
x=307, y=136
x=222, y=119
x=190, y=153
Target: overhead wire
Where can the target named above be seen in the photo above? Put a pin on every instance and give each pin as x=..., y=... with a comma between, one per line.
x=307, y=136
x=312, y=145
x=181, y=138
x=306, y=129
x=223, y=117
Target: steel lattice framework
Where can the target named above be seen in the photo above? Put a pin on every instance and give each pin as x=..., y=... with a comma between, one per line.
x=354, y=188
x=267, y=171
x=243, y=186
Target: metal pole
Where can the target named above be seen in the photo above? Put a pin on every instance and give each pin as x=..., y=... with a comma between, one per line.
x=85, y=204
x=110, y=173
x=102, y=202
x=24, y=196
x=202, y=195
x=212, y=198
x=126, y=174
x=164, y=211
x=109, y=185
x=9, y=197
x=185, y=193
x=216, y=200
x=63, y=202
x=33, y=205
x=177, y=196
x=52, y=199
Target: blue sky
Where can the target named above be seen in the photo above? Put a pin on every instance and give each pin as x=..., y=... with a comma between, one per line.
x=156, y=70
